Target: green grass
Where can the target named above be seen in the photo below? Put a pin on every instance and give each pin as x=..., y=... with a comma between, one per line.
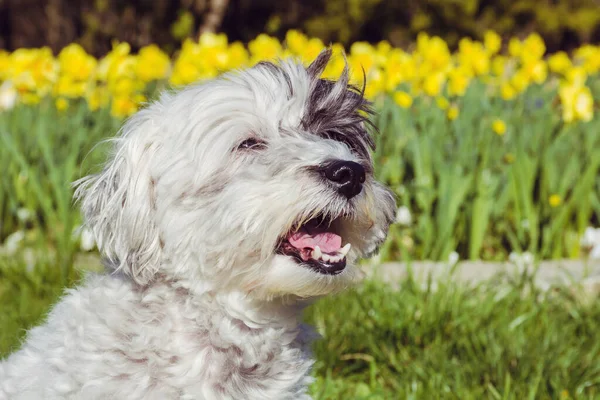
x=482, y=343
x=487, y=342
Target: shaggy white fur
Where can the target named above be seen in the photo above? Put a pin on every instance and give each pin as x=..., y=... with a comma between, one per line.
x=221, y=214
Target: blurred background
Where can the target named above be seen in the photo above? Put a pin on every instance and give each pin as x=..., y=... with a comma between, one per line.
x=563, y=24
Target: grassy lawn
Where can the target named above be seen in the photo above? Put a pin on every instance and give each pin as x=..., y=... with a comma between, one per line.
x=496, y=342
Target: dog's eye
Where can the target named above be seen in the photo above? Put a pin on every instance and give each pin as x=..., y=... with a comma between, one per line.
x=252, y=144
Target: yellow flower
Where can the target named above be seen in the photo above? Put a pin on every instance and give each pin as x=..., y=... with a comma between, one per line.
x=559, y=62
x=492, y=42
x=555, y=200
x=507, y=92
x=264, y=47
x=116, y=56
x=536, y=71
x=452, y=113
x=66, y=86
x=458, y=82
x=124, y=106
x=499, y=127
x=577, y=102
x=433, y=53
x=515, y=47
x=237, y=56
x=4, y=64
x=442, y=103
x=32, y=72
x=382, y=51
x=336, y=63
x=362, y=58
x=312, y=49
x=500, y=65
x=153, y=64
x=520, y=80
x=295, y=41
x=533, y=47
x=75, y=63
x=589, y=57
x=61, y=104
x=399, y=67
x=375, y=84
x=403, y=99
x=473, y=56
x=576, y=76
x=433, y=84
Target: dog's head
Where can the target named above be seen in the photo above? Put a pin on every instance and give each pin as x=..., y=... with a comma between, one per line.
x=260, y=180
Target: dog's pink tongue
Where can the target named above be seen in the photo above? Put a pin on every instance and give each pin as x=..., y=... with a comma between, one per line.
x=328, y=242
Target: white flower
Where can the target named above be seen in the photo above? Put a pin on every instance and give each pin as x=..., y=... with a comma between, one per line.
x=87, y=242
x=591, y=237
x=591, y=242
x=522, y=259
x=403, y=216
x=8, y=96
x=13, y=242
x=24, y=214
x=527, y=258
x=453, y=258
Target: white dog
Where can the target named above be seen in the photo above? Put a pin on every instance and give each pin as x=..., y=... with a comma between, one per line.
x=224, y=209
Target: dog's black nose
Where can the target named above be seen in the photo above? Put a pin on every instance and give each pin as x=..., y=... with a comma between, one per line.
x=347, y=175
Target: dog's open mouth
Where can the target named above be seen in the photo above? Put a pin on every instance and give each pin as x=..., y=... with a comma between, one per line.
x=316, y=245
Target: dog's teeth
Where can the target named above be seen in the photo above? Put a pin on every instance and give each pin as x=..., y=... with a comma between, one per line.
x=344, y=250
x=326, y=257
x=316, y=253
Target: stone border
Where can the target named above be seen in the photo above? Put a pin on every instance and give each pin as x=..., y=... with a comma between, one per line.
x=545, y=274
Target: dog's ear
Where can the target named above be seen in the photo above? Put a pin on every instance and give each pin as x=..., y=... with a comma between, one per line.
x=118, y=204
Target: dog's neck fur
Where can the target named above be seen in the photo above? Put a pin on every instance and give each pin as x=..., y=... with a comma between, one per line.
x=209, y=346
x=280, y=312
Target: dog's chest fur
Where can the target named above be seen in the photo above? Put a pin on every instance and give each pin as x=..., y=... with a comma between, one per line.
x=157, y=343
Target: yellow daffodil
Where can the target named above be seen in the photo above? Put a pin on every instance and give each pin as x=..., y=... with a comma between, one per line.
x=403, y=99
x=75, y=63
x=507, y=92
x=264, y=47
x=555, y=200
x=499, y=127
x=452, y=113
x=442, y=103
x=153, y=64
x=61, y=104
x=458, y=82
x=559, y=62
x=589, y=57
x=533, y=48
x=515, y=47
x=492, y=42
x=577, y=102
